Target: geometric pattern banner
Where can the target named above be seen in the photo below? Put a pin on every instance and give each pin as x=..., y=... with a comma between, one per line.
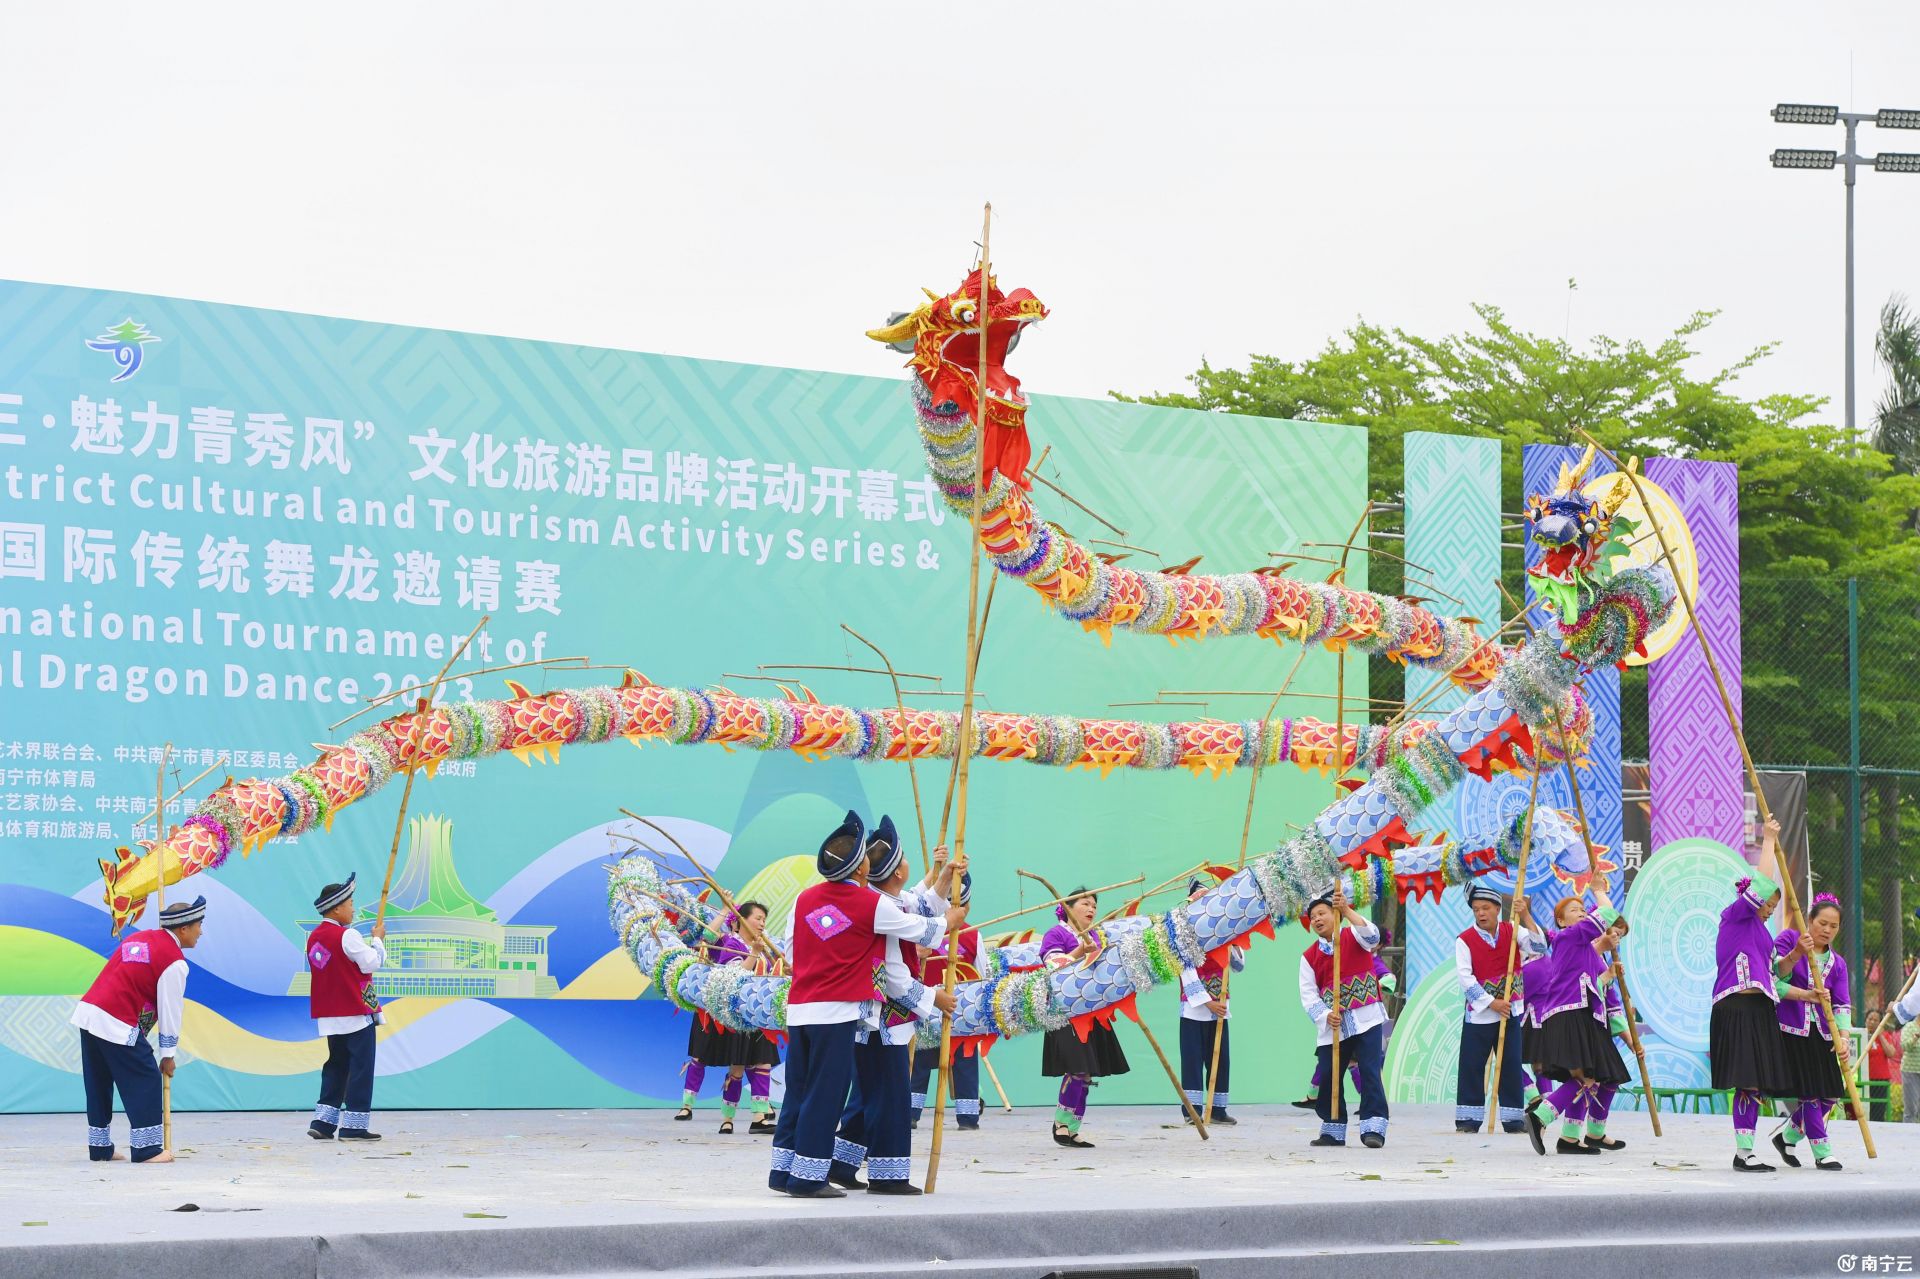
x=1453, y=537
x=1696, y=775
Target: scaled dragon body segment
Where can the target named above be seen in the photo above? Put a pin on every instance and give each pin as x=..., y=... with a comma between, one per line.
x=942, y=339
x=246, y=814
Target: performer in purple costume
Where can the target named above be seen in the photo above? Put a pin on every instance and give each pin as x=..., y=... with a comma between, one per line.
x=1574, y=1045
x=1075, y=1060
x=749, y=1054
x=1745, y=1042
x=1815, y=1055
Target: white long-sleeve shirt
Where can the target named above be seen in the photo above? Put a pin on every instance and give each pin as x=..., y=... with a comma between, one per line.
x=1351, y=1023
x=888, y=921
x=1193, y=992
x=368, y=955
x=169, y=1005
x=902, y=987
x=1909, y=1006
x=1479, y=1001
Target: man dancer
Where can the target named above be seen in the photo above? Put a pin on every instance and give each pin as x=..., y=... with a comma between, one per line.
x=1480, y=960
x=345, y=1010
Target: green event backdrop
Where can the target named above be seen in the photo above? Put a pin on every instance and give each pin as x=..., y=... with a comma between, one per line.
x=86, y=482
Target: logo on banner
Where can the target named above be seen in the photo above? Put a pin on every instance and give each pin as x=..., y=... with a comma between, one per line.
x=123, y=341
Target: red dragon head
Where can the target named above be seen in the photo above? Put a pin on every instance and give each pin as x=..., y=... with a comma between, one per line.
x=943, y=337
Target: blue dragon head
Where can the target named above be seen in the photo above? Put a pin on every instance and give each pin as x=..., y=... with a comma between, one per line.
x=1579, y=535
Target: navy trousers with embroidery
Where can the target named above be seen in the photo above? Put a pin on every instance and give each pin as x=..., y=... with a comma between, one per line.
x=966, y=1085
x=1368, y=1052
x=1196, y=1058
x=874, y=1127
x=131, y=1069
x=819, y=1068
x=346, y=1083
x=1477, y=1043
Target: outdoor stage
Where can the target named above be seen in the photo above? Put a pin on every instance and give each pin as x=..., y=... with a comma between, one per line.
x=633, y=1192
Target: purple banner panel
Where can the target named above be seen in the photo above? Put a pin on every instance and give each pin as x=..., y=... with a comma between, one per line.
x=1697, y=777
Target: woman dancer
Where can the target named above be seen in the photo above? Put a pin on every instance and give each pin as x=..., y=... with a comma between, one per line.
x=1744, y=1041
x=1574, y=1045
x=742, y=1054
x=1814, y=1054
x=1076, y=1058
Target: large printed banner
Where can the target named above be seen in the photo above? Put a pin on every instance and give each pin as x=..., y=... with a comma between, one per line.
x=227, y=529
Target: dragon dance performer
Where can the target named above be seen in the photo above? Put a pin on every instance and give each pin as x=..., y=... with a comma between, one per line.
x=966, y=1065
x=875, y=1128
x=345, y=1010
x=1815, y=1054
x=838, y=961
x=747, y=1056
x=1747, y=1047
x=1074, y=1056
x=143, y=985
x=1907, y=1008
x=1480, y=961
x=1362, y=1029
x=1389, y=985
x=1574, y=1044
x=1202, y=1004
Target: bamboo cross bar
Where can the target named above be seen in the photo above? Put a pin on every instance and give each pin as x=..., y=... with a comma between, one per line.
x=1792, y=897
x=1028, y=910
x=154, y=816
x=754, y=935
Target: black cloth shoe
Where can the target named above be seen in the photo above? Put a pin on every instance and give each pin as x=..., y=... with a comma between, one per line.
x=1461, y=1125
x=1536, y=1132
x=761, y=1127
x=726, y=1127
x=357, y=1134
x=1324, y=1140
x=1606, y=1143
x=1305, y=1103
x=683, y=1114
x=1747, y=1163
x=320, y=1132
x=1827, y=1165
x=966, y=1123
x=1373, y=1140
x=892, y=1188
x=1222, y=1118
x=1513, y=1125
x=814, y=1190
x=1787, y=1156
x=1565, y=1147
x=851, y=1180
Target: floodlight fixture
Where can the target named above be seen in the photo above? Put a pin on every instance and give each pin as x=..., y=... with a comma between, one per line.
x=1801, y=113
x=1795, y=158
x=1896, y=162
x=1895, y=118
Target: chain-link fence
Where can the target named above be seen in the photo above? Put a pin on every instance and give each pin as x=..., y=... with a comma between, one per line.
x=1830, y=670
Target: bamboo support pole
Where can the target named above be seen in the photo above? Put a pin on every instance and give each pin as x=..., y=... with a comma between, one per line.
x=159, y=908
x=913, y=776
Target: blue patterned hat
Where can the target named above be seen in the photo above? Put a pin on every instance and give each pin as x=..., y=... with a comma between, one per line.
x=333, y=894
x=180, y=914
x=883, y=850
x=842, y=852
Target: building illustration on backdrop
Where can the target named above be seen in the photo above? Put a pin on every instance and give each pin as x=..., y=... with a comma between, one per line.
x=441, y=941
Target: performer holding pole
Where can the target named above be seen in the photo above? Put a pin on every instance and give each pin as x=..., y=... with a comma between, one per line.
x=1205, y=1060
x=1354, y=1015
x=142, y=986
x=1574, y=1045
x=345, y=1011
x=1483, y=959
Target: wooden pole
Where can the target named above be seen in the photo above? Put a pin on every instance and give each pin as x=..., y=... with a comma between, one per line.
x=755, y=937
x=1246, y=833
x=1334, y=1082
x=1513, y=943
x=159, y=908
x=406, y=792
x=154, y=815
x=1879, y=1021
x=995, y=1076
x=973, y=664
x=900, y=702
x=1799, y=919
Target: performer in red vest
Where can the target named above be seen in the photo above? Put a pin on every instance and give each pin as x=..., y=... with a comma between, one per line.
x=926, y=1059
x=1363, y=1015
x=1203, y=1003
x=1480, y=961
x=839, y=965
x=345, y=1010
x=143, y=985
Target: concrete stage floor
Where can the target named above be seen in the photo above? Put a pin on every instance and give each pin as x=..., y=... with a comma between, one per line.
x=498, y=1193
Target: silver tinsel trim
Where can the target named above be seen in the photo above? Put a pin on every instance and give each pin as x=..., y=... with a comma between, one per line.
x=1132, y=954
x=1186, y=942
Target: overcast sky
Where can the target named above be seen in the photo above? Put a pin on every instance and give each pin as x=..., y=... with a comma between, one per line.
x=763, y=182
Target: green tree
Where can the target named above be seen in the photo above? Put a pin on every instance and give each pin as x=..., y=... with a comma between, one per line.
x=1896, y=423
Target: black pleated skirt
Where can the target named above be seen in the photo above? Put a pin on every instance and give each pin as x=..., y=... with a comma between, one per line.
x=1099, y=1056
x=1816, y=1072
x=1573, y=1040
x=741, y=1048
x=1747, y=1047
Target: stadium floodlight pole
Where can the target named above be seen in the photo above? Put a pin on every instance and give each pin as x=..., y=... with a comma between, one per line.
x=1848, y=161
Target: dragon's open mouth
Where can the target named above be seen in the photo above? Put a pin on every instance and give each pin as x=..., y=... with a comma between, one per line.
x=962, y=349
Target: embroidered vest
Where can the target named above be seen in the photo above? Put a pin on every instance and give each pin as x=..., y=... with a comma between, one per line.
x=1490, y=962
x=1359, y=985
x=125, y=988
x=837, y=957
x=337, y=988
